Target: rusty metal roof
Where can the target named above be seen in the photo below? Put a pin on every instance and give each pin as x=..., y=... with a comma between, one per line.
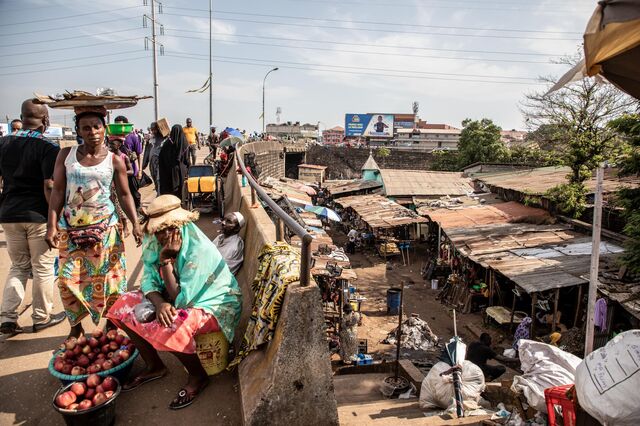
x=539, y=181
x=347, y=187
x=417, y=182
x=480, y=214
x=379, y=212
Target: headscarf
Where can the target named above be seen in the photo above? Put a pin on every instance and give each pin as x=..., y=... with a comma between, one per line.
x=205, y=280
x=522, y=332
x=172, y=162
x=239, y=218
x=554, y=338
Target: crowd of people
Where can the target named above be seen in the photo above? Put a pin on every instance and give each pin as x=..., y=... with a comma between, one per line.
x=78, y=204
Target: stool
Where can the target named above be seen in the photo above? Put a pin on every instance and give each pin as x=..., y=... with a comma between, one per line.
x=558, y=396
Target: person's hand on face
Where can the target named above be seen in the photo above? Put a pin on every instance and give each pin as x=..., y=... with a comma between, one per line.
x=171, y=241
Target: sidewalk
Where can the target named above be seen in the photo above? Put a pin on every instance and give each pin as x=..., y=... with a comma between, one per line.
x=28, y=388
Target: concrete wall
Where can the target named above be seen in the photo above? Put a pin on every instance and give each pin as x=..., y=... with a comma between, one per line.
x=269, y=156
x=346, y=163
x=289, y=381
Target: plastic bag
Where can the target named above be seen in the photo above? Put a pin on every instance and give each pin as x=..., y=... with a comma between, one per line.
x=607, y=381
x=437, y=391
x=544, y=366
x=145, y=311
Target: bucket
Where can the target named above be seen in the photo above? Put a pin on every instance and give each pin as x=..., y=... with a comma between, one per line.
x=393, y=301
x=213, y=351
x=101, y=415
x=434, y=284
x=355, y=304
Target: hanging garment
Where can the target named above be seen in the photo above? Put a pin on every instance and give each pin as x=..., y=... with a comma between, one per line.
x=600, y=315
x=279, y=266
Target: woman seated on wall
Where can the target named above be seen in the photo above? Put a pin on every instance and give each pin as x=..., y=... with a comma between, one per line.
x=187, y=289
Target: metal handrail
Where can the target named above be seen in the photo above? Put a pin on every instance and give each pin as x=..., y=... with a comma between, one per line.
x=283, y=218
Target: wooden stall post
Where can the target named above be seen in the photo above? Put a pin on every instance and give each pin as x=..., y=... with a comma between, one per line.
x=513, y=312
x=578, y=303
x=555, y=310
x=534, y=301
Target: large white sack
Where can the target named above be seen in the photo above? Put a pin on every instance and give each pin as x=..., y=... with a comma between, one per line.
x=437, y=391
x=544, y=366
x=608, y=381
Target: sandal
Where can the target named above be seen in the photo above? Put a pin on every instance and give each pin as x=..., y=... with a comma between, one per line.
x=184, y=398
x=139, y=381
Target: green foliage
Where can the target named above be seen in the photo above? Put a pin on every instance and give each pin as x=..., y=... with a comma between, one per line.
x=628, y=127
x=570, y=198
x=383, y=151
x=446, y=161
x=480, y=142
x=532, y=155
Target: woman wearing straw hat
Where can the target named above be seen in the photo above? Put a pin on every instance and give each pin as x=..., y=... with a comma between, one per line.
x=191, y=289
x=83, y=222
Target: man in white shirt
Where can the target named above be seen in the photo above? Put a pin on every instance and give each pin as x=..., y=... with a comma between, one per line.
x=229, y=243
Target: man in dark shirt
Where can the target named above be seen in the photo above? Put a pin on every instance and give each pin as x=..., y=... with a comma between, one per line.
x=133, y=148
x=480, y=352
x=27, y=160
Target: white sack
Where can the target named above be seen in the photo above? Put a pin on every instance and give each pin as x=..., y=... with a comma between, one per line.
x=608, y=381
x=437, y=391
x=544, y=366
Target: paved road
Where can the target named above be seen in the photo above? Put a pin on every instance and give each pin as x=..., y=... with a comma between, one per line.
x=27, y=388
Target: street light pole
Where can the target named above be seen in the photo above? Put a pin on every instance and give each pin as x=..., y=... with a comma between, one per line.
x=210, y=72
x=263, y=82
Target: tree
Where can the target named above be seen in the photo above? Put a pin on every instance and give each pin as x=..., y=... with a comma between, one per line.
x=628, y=127
x=445, y=161
x=480, y=142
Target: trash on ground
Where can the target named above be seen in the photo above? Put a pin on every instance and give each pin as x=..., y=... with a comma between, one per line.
x=416, y=334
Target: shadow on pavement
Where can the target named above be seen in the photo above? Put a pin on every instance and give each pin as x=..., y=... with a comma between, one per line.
x=15, y=348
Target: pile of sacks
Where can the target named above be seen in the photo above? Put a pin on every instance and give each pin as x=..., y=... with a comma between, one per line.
x=416, y=335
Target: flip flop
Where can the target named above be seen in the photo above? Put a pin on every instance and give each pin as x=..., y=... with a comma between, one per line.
x=139, y=381
x=184, y=398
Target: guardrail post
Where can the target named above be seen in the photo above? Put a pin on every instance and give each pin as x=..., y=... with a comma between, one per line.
x=254, y=202
x=279, y=233
x=305, y=261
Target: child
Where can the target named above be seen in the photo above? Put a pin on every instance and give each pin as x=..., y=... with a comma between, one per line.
x=115, y=146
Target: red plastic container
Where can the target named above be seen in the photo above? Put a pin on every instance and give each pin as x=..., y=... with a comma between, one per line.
x=558, y=396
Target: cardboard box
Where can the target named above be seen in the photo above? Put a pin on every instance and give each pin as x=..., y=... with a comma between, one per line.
x=163, y=126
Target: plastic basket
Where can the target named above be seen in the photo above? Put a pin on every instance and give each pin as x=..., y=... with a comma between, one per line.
x=119, y=129
x=120, y=372
x=101, y=415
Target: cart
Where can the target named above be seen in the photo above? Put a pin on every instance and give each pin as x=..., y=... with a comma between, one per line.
x=200, y=187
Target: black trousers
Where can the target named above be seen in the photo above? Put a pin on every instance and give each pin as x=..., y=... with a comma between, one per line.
x=133, y=188
x=492, y=372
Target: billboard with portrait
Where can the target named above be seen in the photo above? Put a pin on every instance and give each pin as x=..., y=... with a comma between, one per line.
x=369, y=125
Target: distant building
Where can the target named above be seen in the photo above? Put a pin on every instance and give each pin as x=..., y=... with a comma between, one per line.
x=429, y=137
x=513, y=137
x=333, y=136
x=291, y=130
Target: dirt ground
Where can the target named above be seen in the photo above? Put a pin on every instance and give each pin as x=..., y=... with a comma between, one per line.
x=28, y=388
x=375, y=277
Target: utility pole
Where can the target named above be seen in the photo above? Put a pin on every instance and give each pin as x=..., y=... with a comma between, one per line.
x=210, y=71
x=155, y=43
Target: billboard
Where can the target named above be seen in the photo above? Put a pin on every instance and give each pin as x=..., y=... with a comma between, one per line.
x=369, y=125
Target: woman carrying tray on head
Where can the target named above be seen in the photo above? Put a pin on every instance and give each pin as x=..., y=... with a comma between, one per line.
x=84, y=225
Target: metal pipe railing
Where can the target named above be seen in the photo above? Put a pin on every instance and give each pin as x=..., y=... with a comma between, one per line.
x=287, y=221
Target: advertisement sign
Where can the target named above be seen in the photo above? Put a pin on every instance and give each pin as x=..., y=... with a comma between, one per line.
x=403, y=124
x=53, y=132
x=369, y=125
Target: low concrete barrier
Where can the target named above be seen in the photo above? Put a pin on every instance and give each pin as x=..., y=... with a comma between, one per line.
x=289, y=380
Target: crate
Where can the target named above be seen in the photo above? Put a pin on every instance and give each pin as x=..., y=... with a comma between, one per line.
x=558, y=396
x=363, y=346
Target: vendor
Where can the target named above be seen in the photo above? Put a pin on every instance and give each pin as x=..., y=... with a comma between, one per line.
x=192, y=290
x=229, y=243
x=348, y=333
x=480, y=352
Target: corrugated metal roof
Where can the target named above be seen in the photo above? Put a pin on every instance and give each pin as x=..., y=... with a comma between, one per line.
x=464, y=217
x=539, y=181
x=416, y=182
x=379, y=212
x=311, y=166
x=343, y=188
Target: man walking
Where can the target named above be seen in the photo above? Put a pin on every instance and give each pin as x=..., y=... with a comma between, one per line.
x=191, y=134
x=27, y=160
x=152, y=155
x=133, y=148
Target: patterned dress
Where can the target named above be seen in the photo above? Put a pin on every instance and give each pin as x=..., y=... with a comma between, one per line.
x=90, y=279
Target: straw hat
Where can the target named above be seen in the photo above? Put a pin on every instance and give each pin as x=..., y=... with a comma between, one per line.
x=166, y=211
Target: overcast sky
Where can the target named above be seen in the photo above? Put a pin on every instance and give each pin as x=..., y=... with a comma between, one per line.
x=457, y=58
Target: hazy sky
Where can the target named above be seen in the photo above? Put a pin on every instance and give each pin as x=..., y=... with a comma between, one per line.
x=457, y=58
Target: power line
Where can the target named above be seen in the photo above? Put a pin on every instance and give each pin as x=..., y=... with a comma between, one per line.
x=49, y=19
x=71, y=26
x=273, y=61
x=497, y=52
x=376, y=30
x=262, y=65
x=75, y=47
x=70, y=59
x=69, y=38
x=402, y=24
x=73, y=67
x=408, y=55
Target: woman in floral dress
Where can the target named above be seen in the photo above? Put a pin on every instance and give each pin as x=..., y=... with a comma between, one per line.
x=187, y=289
x=84, y=225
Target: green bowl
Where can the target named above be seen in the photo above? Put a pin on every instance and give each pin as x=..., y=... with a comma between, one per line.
x=119, y=129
